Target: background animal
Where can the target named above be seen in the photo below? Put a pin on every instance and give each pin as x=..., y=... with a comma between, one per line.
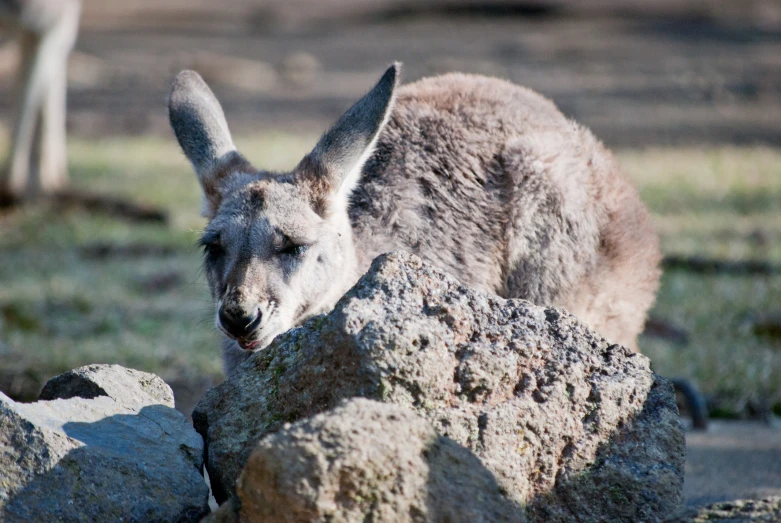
x=37, y=162
x=483, y=178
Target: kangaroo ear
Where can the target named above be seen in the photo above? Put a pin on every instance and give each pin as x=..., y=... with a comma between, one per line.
x=333, y=168
x=200, y=127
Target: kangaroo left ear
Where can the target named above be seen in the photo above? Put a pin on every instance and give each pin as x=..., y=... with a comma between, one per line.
x=200, y=127
x=333, y=168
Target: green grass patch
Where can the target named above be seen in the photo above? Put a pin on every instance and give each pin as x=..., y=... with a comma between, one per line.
x=61, y=307
x=720, y=203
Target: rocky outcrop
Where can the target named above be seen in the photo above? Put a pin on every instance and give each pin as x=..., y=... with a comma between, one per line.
x=365, y=458
x=569, y=425
x=740, y=511
x=103, y=444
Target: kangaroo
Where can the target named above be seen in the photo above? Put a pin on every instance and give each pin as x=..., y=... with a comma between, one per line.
x=37, y=161
x=484, y=178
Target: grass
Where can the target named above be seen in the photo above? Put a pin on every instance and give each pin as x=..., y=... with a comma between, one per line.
x=61, y=308
x=722, y=203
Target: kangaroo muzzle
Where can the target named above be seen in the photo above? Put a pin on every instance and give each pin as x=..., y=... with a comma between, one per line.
x=239, y=316
x=238, y=322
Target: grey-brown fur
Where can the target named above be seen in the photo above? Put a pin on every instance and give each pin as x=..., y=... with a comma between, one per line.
x=484, y=178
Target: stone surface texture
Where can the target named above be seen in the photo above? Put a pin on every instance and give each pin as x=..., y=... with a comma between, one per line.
x=121, y=453
x=740, y=511
x=366, y=458
x=570, y=425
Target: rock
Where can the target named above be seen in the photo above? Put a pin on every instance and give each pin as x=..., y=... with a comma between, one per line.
x=106, y=445
x=362, y=461
x=127, y=386
x=755, y=510
x=565, y=421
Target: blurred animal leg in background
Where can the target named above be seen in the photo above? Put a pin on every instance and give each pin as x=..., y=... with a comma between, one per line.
x=37, y=162
x=693, y=401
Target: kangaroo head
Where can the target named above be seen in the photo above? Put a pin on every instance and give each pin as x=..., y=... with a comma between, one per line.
x=278, y=247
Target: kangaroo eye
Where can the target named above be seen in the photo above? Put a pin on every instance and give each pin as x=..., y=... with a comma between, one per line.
x=293, y=250
x=212, y=250
x=211, y=247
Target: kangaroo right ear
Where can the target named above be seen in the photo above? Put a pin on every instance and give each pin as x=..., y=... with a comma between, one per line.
x=333, y=168
x=202, y=131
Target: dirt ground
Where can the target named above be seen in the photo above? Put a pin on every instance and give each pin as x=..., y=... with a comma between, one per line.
x=732, y=460
x=638, y=73
x=644, y=73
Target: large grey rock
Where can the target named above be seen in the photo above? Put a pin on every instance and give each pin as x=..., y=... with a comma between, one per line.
x=740, y=511
x=567, y=423
x=122, y=453
x=366, y=461
x=126, y=386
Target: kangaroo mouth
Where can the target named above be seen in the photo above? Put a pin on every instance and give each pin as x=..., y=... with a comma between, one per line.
x=248, y=344
x=256, y=341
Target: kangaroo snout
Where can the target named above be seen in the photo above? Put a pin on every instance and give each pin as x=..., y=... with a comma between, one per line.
x=239, y=322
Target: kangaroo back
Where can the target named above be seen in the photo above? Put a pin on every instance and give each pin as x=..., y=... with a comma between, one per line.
x=491, y=182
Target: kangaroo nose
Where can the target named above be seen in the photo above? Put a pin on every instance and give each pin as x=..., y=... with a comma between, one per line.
x=238, y=322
